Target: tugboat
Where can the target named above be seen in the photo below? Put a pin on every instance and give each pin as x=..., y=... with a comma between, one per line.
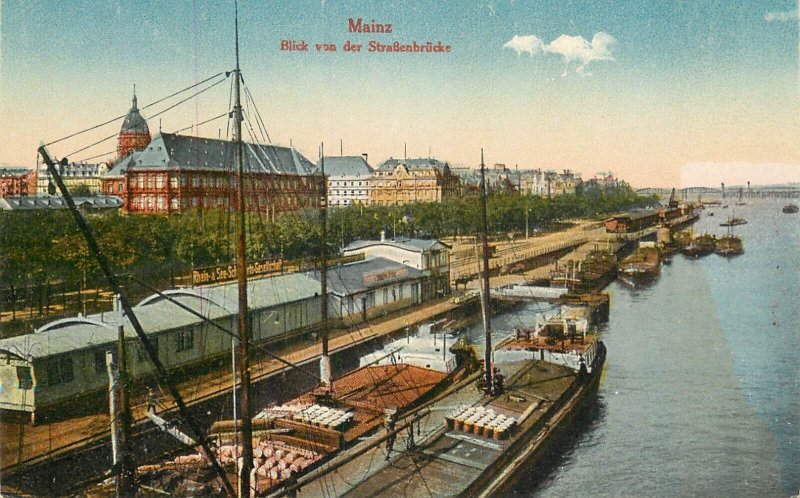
x=700, y=246
x=732, y=222
x=729, y=244
x=644, y=263
x=790, y=208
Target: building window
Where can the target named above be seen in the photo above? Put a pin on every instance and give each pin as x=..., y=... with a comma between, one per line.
x=99, y=362
x=24, y=377
x=184, y=340
x=173, y=182
x=141, y=354
x=59, y=370
x=385, y=296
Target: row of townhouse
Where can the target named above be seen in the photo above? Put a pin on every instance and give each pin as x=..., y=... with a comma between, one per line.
x=539, y=182
x=351, y=180
x=171, y=173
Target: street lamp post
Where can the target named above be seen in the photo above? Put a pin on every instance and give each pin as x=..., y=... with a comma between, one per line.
x=527, y=225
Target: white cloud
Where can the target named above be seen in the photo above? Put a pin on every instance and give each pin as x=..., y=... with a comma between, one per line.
x=784, y=16
x=574, y=50
x=527, y=43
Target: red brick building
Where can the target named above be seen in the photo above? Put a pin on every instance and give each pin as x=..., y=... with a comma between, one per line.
x=175, y=173
x=17, y=182
x=134, y=134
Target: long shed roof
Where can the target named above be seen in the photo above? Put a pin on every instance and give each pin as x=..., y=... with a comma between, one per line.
x=354, y=278
x=158, y=314
x=409, y=244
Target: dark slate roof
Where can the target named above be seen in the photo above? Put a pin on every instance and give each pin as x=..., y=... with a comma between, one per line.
x=418, y=163
x=171, y=151
x=414, y=245
x=473, y=176
x=637, y=214
x=352, y=278
x=468, y=176
x=134, y=122
x=18, y=172
x=119, y=169
x=346, y=166
x=33, y=203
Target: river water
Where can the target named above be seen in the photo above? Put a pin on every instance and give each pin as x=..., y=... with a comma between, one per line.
x=701, y=391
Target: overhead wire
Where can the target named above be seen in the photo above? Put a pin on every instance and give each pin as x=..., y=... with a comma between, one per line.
x=296, y=216
x=257, y=215
x=202, y=123
x=152, y=116
x=117, y=118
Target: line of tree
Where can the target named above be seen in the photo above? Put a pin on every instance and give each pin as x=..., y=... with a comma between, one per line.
x=42, y=246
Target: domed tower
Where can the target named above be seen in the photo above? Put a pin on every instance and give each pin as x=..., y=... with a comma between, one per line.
x=134, y=134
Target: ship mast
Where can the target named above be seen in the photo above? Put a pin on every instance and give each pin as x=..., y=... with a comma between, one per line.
x=241, y=273
x=325, y=360
x=163, y=376
x=485, y=283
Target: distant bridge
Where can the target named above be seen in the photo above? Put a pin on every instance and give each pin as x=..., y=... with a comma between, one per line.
x=682, y=191
x=785, y=191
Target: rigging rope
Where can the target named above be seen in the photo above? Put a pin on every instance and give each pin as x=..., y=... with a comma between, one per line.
x=201, y=123
x=154, y=115
x=226, y=73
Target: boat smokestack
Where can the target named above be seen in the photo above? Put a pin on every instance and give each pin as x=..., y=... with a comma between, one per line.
x=325, y=370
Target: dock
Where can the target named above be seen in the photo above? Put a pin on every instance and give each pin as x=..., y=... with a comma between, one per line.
x=25, y=446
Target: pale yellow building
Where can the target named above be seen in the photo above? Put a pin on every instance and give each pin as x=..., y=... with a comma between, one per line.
x=404, y=181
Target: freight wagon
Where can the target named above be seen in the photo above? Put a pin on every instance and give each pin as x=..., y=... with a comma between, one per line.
x=633, y=222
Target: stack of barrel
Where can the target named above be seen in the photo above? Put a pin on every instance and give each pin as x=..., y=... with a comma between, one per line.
x=277, y=461
x=332, y=418
x=480, y=421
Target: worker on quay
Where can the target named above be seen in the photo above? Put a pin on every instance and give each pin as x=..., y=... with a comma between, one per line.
x=389, y=423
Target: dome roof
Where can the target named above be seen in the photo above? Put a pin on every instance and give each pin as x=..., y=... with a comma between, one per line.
x=134, y=122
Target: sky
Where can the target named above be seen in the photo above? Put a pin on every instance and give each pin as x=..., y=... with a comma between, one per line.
x=660, y=93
